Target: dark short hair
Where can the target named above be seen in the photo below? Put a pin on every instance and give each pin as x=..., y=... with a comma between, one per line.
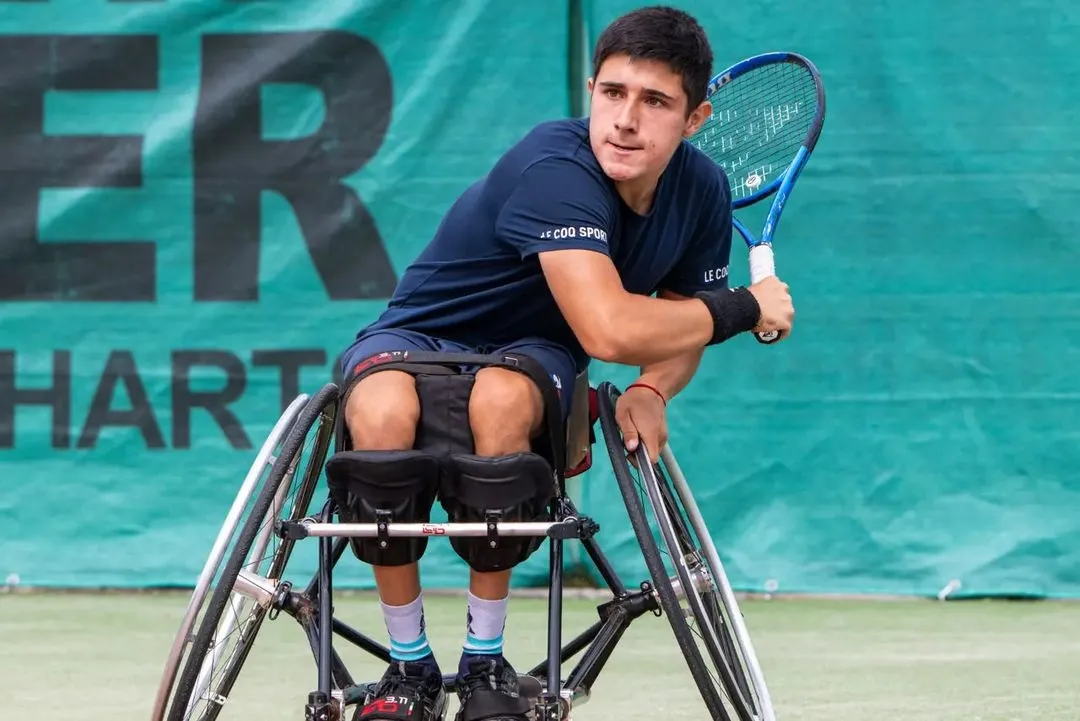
x=664, y=34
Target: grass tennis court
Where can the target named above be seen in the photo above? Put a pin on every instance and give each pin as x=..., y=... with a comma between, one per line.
x=99, y=656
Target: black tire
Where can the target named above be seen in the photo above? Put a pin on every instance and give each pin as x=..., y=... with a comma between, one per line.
x=262, y=467
x=675, y=534
x=321, y=408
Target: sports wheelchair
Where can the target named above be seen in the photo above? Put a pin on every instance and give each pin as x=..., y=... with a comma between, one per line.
x=236, y=593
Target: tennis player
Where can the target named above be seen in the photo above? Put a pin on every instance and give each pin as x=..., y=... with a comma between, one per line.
x=606, y=237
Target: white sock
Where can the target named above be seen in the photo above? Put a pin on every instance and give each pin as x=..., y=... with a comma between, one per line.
x=486, y=621
x=408, y=637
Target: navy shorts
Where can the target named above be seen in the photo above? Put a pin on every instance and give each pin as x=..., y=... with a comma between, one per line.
x=556, y=360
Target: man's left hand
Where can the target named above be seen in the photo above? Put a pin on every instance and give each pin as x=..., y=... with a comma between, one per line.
x=642, y=418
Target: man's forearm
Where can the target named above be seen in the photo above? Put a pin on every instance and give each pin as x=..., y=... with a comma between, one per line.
x=617, y=326
x=648, y=331
x=671, y=376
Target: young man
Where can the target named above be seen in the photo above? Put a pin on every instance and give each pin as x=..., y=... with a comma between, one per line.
x=555, y=255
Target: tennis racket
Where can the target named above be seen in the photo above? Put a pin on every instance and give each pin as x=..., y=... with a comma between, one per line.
x=767, y=113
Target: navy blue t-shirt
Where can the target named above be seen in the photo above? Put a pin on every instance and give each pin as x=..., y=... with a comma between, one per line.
x=479, y=280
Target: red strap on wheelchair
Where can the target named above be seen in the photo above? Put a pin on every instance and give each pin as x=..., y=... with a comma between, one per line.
x=594, y=416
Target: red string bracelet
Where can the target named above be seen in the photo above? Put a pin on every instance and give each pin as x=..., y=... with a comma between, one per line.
x=652, y=388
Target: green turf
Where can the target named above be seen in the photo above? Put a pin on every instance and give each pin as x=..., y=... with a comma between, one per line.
x=97, y=657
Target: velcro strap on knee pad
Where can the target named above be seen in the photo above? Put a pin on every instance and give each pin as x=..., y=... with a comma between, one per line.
x=516, y=487
x=397, y=486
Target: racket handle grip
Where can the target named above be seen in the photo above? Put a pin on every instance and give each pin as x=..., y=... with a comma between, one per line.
x=762, y=265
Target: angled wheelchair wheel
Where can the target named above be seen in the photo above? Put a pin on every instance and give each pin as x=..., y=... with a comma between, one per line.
x=251, y=580
x=255, y=480
x=688, y=578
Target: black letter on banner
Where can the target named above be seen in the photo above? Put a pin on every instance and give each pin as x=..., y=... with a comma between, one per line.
x=234, y=165
x=184, y=398
x=290, y=362
x=30, y=161
x=121, y=367
x=57, y=397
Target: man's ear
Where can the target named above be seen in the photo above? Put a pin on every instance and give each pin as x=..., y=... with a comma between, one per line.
x=589, y=85
x=697, y=118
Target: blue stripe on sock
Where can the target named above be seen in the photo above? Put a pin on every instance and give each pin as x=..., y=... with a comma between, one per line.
x=492, y=646
x=416, y=645
x=412, y=651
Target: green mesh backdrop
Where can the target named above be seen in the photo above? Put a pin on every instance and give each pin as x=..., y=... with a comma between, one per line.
x=204, y=200
x=211, y=197
x=922, y=423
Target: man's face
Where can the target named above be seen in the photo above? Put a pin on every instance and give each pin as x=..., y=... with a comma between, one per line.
x=638, y=117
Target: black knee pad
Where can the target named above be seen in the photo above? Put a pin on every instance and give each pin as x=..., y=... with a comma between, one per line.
x=516, y=487
x=399, y=486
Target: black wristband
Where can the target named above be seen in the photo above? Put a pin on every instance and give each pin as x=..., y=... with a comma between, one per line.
x=733, y=311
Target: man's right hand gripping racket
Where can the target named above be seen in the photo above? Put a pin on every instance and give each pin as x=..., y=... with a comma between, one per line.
x=767, y=113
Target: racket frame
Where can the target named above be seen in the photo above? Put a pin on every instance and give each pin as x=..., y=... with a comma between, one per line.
x=780, y=185
x=761, y=255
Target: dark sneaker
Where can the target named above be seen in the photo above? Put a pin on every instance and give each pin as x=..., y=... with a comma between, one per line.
x=488, y=689
x=408, y=691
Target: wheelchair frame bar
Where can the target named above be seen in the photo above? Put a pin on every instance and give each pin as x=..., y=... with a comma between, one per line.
x=567, y=528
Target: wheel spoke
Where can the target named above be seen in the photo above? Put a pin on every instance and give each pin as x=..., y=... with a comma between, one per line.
x=247, y=586
x=256, y=476
x=688, y=579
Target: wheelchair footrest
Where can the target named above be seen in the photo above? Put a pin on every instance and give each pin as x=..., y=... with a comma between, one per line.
x=529, y=687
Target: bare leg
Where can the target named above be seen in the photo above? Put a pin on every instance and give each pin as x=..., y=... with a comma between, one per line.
x=382, y=414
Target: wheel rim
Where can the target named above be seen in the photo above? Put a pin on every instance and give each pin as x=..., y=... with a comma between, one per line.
x=256, y=477
x=689, y=580
x=698, y=587
x=256, y=578
x=726, y=600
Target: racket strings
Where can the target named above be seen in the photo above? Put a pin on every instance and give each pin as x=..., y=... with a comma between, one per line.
x=758, y=123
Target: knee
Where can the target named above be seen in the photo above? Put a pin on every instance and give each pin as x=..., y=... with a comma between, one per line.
x=382, y=412
x=505, y=411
